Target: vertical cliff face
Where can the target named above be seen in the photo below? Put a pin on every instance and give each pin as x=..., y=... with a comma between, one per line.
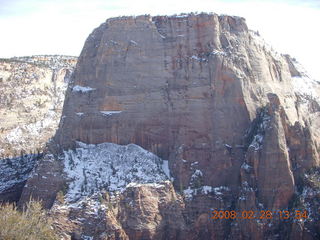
x=185, y=88
x=164, y=84
x=237, y=122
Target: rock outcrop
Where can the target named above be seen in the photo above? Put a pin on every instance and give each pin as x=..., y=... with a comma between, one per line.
x=237, y=122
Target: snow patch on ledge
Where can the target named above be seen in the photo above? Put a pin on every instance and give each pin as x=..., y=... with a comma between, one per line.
x=109, y=113
x=133, y=43
x=182, y=16
x=78, y=88
x=91, y=168
x=217, y=191
x=153, y=185
x=199, y=59
x=217, y=52
x=246, y=166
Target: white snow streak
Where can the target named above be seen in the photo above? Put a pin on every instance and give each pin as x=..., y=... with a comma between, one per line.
x=109, y=113
x=78, y=88
x=217, y=191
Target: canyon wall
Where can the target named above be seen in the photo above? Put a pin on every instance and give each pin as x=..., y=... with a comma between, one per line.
x=237, y=122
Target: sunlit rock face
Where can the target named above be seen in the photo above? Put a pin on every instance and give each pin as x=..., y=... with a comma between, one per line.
x=237, y=122
x=32, y=91
x=185, y=87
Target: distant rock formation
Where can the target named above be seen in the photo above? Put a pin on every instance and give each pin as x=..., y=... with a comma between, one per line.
x=237, y=122
x=32, y=94
x=32, y=91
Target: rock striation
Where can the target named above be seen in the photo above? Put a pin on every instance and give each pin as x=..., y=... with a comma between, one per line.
x=237, y=122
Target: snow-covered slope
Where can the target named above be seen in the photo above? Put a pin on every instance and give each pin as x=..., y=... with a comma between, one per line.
x=91, y=168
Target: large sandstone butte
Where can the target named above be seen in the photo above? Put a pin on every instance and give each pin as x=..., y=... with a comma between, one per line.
x=238, y=123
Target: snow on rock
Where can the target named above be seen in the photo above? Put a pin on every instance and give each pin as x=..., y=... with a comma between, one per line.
x=304, y=85
x=84, y=237
x=260, y=42
x=197, y=173
x=17, y=135
x=109, y=113
x=198, y=58
x=246, y=166
x=219, y=190
x=15, y=170
x=37, y=127
x=165, y=168
x=78, y=88
x=257, y=140
x=51, y=61
x=182, y=16
x=32, y=95
x=246, y=187
x=91, y=168
x=217, y=52
x=133, y=43
x=14, y=135
x=228, y=146
x=153, y=185
x=189, y=193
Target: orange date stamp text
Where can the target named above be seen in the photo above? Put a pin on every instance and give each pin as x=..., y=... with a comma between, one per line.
x=261, y=214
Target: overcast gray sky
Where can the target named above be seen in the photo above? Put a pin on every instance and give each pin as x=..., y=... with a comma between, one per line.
x=30, y=27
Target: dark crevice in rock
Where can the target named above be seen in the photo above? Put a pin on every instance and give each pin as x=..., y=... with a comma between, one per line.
x=257, y=128
x=14, y=173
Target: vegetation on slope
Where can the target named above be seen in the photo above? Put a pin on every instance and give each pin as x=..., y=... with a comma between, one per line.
x=30, y=224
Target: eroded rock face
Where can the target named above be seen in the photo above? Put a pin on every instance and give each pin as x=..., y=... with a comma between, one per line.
x=238, y=123
x=146, y=211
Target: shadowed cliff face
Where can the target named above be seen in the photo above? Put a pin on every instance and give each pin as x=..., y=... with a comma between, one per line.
x=238, y=122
